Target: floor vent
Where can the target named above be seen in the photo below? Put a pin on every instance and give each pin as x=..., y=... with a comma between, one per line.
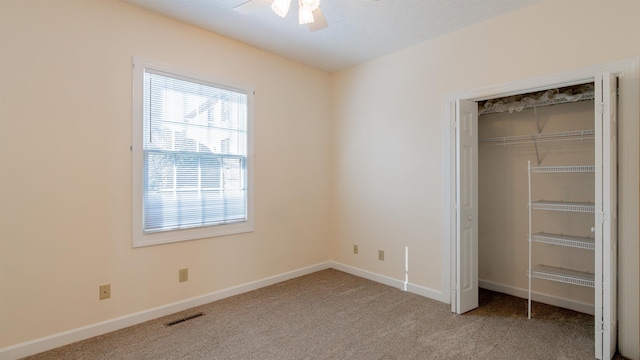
x=183, y=319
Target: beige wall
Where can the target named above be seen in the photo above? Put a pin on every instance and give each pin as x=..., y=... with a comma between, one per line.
x=389, y=133
x=65, y=112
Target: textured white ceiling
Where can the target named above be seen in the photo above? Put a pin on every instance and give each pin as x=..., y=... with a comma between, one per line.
x=359, y=30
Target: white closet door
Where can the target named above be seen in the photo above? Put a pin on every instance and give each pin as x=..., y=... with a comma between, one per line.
x=467, y=206
x=606, y=217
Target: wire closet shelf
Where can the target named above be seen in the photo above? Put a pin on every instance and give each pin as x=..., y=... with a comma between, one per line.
x=564, y=169
x=564, y=240
x=563, y=275
x=581, y=207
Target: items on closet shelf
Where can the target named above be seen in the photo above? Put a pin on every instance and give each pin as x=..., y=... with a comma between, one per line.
x=542, y=98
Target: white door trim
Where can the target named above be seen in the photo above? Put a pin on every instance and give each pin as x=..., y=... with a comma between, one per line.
x=628, y=110
x=629, y=193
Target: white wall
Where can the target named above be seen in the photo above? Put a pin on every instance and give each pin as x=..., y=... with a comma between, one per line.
x=389, y=142
x=65, y=112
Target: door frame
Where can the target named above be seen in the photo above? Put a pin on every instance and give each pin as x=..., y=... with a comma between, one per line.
x=628, y=150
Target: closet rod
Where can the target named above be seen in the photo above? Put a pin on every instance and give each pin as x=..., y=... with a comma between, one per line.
x=540, y=141
x=560, y=136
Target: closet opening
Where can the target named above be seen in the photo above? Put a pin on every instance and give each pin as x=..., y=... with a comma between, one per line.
x=615, y=214
x=546, y=157
x=536, y=195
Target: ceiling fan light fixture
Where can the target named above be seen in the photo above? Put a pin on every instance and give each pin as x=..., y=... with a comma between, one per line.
x=281, y=7
x=305, y=16
x=311, y=5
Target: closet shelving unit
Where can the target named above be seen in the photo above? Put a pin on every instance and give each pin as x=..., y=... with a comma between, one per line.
x=553, y=273
x=534, y=100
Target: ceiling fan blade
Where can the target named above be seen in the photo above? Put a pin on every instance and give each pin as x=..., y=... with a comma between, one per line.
x=251, y=6
x=319, y=21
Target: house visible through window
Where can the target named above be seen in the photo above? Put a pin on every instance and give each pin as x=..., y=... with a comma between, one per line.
x=193, y=148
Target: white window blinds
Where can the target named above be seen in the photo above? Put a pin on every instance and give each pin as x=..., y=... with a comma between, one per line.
x=194, y=154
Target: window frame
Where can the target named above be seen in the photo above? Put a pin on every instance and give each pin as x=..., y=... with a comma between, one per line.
x=139, y=237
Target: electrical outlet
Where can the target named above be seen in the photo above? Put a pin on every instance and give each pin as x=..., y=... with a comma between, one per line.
x=183, y=275
x=105, y=291
x=355, y=249
x=381, y=255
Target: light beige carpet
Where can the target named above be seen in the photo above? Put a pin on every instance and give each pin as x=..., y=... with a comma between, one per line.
x=333, y=315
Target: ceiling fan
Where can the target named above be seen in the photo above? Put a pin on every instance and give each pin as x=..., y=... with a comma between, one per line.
x=309, y=11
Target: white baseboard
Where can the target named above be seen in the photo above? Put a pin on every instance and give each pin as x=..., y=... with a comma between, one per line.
x=56, y=340
x=539, y=297
x=412, y=288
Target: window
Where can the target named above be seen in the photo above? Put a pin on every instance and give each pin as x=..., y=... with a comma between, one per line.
x=192, y=162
